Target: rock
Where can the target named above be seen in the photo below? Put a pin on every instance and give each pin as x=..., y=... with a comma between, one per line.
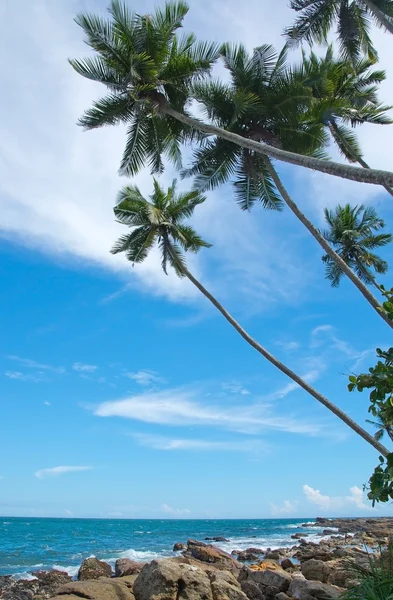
x=218, y=538
x=211, y=554
x=286, y=563
x=316, y=570
x=273, y=555
x=282, y=596
x=101, y=589
x=17, y=590
x=224, y=586
x=266, y=564
x=126, y=566
x=252, y=590
x=92, y=568
x=278, y=579
x=50, y=581
x=179, y=546
x=299, y=536
x=301, y=589
x=246, y=556
x=167, y=580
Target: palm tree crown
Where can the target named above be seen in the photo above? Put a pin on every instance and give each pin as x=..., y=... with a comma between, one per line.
x=143, y=64
x=351, y=233
x=344, y=96
x=262, y=102
x=159, y=220
x=353, y=17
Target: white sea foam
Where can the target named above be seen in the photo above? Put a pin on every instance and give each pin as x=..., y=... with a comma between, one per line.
x=23, y=575
x=72, y=570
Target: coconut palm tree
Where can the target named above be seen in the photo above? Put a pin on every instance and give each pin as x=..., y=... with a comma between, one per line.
x=344, y=96
x=263, y=100
x=352, y=17
x=147, y=68
x=351, y=232
x=160, y=220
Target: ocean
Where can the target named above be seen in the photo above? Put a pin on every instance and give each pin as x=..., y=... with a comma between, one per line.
x=28, y=544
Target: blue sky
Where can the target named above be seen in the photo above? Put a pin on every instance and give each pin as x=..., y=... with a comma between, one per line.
x=123, y=393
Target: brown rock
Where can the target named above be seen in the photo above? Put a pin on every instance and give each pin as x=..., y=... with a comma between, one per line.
x=217, y=538
x=168, y=580
x=278, y=579
x=92, y=568
x=266, y=564
x=179, y=546
x=212, y=555
x=246, y=556
x=301, y=589
x=316, y=570
x=224, y=586
x=273, y=555
x=50, y=581
x=101, y=589
x=126, y=566
x=286, y=563
x=252, y=590
x=282, y=596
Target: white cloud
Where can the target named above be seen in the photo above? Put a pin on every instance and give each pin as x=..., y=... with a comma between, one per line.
x=33, y=364
x=326, y=503
x=61, y=470
x=84, y=368
x=287, y=508
x=309, y=377
x=144, y=377
x=181, y=406
x=18, y=375
x=235, y=388
x=47, y=403
x=165, y=443
x=176, y=512
x=288, y=346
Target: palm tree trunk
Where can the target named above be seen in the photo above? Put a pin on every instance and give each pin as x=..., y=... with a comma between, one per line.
x=363, y=289
x=373, y=176
x=369, y=276
x=336, y=134
x=379, y=15
x=283, y=368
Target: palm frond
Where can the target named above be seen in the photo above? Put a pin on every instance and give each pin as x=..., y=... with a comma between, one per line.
x=188, y=238
x=134, y=154
x=109, y=110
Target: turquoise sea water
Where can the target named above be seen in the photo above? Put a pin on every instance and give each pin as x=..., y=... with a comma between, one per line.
x=28, y=544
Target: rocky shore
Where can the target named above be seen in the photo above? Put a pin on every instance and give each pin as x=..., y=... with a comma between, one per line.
x=202, y=571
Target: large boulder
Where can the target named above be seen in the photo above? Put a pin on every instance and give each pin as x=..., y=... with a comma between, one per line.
x=168, y=580
x=212, y=555
x=252, y=590
x=126, y=566
x=17, y=590
x=179, y=546
x=92, y=568
x=277, y=579
x=316, y=570
x=224, y=586
x=100, y=589
x=302, y=589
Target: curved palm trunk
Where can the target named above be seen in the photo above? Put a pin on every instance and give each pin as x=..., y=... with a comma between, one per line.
x=363, y=289
x=373, y=176
x=379, y=15
x=368, y=275
x=284, y=369
x=336, y=134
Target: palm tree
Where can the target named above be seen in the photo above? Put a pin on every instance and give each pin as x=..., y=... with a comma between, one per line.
x=263, y=100
x=353, y=18
x=161, y=221
x=148, y=69
x=345, y=96
x=351, y=232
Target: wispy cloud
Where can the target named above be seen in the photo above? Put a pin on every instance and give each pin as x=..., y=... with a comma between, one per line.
x=182, y=406
x=325, y=502
x=33, y=364
x=61, y=470
x=84, y=368
x=287, y=508
x=236, y=388
x=288, y=346
x=18, y=375
x=176, y=512
x=144, y=377
x=309, y=377
x=166, y=443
